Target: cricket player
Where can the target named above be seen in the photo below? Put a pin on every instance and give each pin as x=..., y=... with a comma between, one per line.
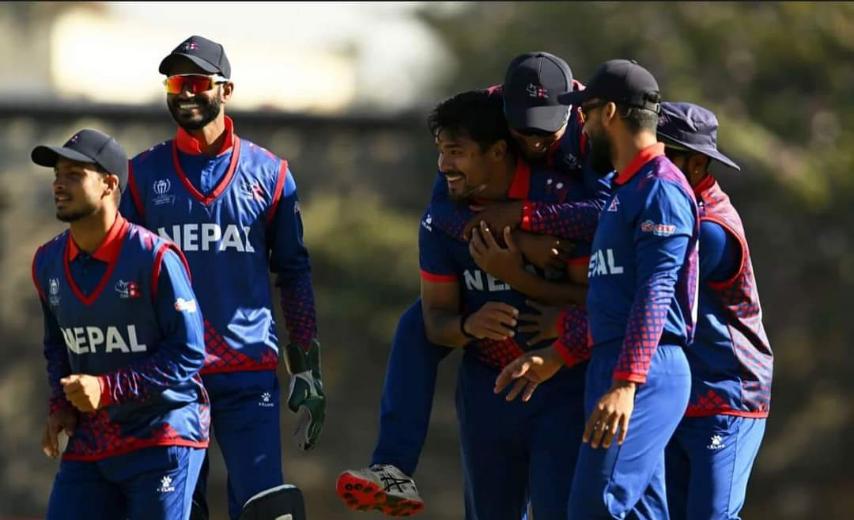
x=641, y=303
x=709, y=458
x=124, y=344
x=231, y=206
x=413, y=361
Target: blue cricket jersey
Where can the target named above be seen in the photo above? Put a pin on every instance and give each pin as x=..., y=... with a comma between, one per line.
x=643, y=264
x=236, y=217
x=126, y=314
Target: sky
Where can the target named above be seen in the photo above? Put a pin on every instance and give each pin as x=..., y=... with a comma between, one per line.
x=298, y=56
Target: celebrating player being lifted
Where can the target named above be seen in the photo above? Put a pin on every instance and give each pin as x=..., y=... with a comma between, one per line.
x=232, y=207
x=124, y=344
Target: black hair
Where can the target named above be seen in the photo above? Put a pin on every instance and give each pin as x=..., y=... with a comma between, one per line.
x=637, y=118
x=477, y=114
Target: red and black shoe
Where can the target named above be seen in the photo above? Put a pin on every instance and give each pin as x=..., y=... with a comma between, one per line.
x=381, y=487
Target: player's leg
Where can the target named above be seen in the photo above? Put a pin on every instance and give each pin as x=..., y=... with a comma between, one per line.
x=200, y=499
x=556, y=417
x=81, y=492
x=159, y=482
x=493, y=443
x=721, y=450
x=405, y=408
x=609, y=483
x=678, y=475
x=248, y=433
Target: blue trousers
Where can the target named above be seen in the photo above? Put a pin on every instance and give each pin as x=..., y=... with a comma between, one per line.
x=407, y=400
x=708, y=465
x=516, y=452
x=245, y=422
x=628, y=481
x=148, y=484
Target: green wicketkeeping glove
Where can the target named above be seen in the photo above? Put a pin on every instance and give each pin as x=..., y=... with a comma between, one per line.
x=305, y=395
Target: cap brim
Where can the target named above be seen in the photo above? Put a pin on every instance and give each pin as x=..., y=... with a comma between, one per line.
x=205, y=65
x=712, y=153
x=546, y=118
x=574, y=98
x=48, y=155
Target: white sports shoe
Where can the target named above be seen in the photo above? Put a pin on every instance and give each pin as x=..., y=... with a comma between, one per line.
x=381, y=487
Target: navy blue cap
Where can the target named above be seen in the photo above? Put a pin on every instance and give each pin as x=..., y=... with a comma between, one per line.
x=208, y=55
x=693, y=127
x=89, y=146
x=621, y=81
x=531, y=88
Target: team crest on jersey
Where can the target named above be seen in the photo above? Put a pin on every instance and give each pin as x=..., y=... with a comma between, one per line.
x=162, y=189
x=614, y=205
x=252, y=190
x=127, y=290
x=53, y=291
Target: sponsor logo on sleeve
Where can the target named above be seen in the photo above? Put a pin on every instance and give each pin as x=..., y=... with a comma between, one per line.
x=661, y=230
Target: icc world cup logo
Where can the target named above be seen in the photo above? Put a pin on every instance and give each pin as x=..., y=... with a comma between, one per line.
x=161, y=187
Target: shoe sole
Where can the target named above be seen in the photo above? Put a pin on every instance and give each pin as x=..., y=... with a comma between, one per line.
x=360, y=494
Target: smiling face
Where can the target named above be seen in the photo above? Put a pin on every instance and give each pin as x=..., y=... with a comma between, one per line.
x=464, y=164
x=194, y=111
x=79, y=189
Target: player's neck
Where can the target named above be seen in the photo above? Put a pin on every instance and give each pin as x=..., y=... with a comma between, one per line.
x=89, y=232
x=211, y=136
x=500, y=179
x=628, y=146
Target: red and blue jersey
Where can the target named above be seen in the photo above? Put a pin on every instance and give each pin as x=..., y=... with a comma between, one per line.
x=126, y=314
x=731, y=359
x=445, y=258
x=572, y=220
x=235, y=217
x=643, y=264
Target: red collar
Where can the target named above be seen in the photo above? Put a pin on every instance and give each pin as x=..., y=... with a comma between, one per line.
x=521, y=184
x=190, y=145
x=707, y=182
x=644, y=156
x=109, y=248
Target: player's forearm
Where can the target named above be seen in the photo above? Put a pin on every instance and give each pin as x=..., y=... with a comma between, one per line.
x=567, y=220
x=541, y=290
x=444, y=327
x=296, y=296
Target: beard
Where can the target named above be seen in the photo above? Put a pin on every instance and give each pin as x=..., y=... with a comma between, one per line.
x=463, y=193
x=600, y=154
x=73, y=215
x=209, y=108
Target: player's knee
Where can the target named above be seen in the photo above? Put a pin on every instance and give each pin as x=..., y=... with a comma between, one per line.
x=283, y=502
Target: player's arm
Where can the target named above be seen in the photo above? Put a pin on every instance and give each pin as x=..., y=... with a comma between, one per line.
x=507, y=265
x=180, y=352
x=721, y=254
x=662, y=235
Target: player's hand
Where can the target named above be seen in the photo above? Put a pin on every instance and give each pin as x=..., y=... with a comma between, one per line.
x=611, y=415
x=544, y=251
x=527, y=372
x=305, y=393
x=62, y=420
x=495, y=320
x=502, y=263
x=83, y=391
x=497, y=216
x=543, y=324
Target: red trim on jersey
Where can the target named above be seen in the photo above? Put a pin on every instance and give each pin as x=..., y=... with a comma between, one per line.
x=106, y=393
x=220, y=187
x=111, y=250
x=134, y=447
x=277, y=195
x=581, y=260
x=725, y=411
x=569, y=359
x=134, y=191
x=629, y=376
x=521, y=184
x=707, y=182
x=35, y=278
x=527, y=218
x=644, y=156
x=108, y=250
x=191, y=146
x=158, y=265
x=438, y=278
